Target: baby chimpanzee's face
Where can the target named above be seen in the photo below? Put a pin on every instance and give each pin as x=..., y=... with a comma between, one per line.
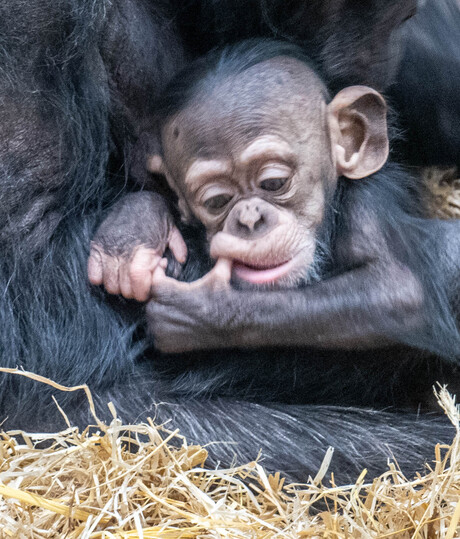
x=257, y=157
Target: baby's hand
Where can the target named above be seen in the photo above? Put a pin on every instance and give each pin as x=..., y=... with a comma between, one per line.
x=130, y=244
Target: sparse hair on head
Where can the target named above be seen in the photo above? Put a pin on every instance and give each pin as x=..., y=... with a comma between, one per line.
x=209, y=70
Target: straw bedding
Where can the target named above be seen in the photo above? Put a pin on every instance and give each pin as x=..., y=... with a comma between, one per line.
x=127, y=481
x=130, y=481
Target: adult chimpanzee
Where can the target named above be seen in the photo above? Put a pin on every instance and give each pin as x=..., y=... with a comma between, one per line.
x=427, y=89
x=78, y=79
x=254, y=152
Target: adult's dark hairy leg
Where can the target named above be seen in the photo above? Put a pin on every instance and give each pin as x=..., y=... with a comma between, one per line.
x=66, y=109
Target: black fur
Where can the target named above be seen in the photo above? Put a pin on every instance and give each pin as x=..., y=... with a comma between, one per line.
x=76, y=78
x=426, y=93
x=354, y=42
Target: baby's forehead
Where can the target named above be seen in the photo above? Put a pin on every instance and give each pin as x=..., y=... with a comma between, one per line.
x=277, y=97
x=263, y=88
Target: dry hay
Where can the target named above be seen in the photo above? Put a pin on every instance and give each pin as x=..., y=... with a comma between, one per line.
x=126, y=481
x=442, y=198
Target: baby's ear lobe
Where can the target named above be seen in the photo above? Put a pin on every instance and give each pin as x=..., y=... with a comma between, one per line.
x=358, y=127
x=154, y=164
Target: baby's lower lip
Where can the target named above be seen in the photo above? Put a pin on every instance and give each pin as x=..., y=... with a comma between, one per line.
x=264, y=275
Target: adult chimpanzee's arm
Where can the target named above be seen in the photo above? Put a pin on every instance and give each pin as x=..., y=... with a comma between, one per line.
x=377, y=302
x=430, y=112
x=53, y=122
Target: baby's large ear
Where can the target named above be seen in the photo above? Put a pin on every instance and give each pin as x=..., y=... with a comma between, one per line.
x=358, y=125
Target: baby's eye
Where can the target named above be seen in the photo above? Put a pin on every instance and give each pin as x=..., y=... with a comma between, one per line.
x=217, y=202
x=273, y=184
x=274, y=176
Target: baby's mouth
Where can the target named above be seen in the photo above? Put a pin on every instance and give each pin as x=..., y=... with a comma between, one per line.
x=261, y=274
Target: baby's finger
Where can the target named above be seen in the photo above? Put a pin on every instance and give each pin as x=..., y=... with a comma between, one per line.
x=95, y=267
x=111, y=274
x=141, y=267
x=125, y=281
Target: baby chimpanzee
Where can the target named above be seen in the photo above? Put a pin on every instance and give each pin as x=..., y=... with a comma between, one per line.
x=257, y=152
x=257, y=167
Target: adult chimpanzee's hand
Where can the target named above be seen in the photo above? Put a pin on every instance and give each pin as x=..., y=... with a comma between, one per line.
x=191, y=316
x=130, y=243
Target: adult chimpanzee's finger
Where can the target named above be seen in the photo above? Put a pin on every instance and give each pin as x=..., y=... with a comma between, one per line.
x=177, y=245
x=95, y=266
x=160, y=280
x=142, y=264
